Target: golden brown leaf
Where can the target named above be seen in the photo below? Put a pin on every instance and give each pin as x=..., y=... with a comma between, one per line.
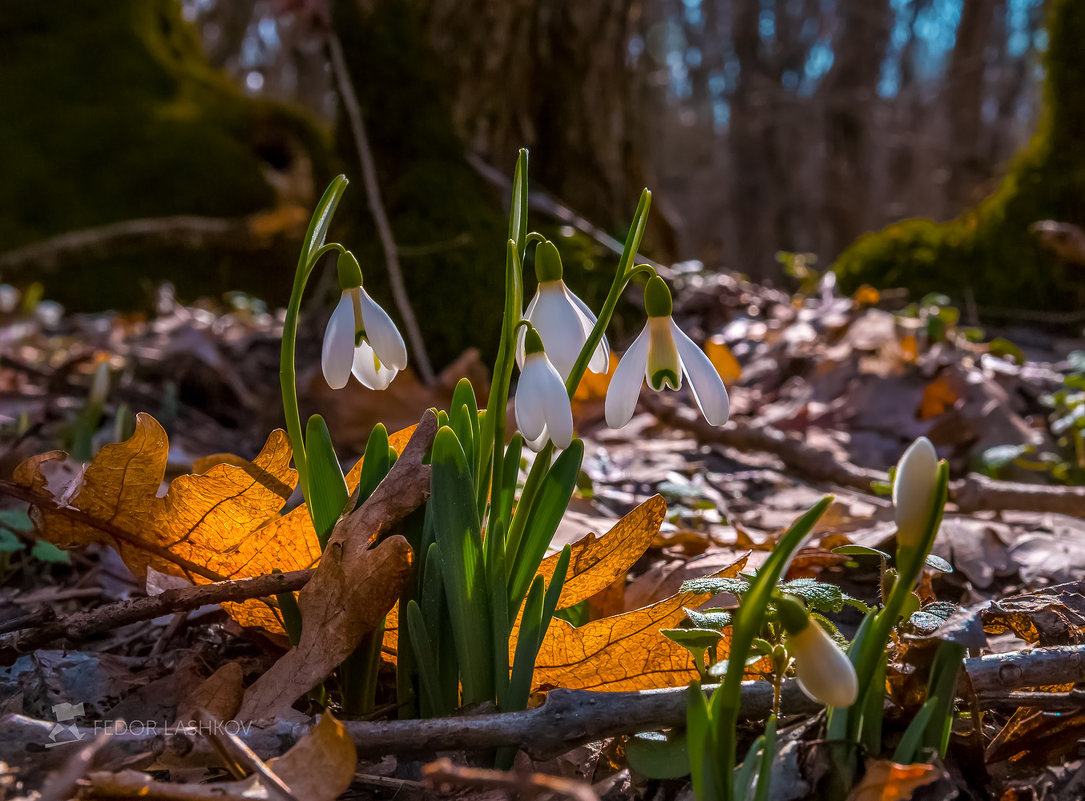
x=321, y=765
x=218, y=697
x=222, y=523
x=624, y=652
x=723, y=360
x=887, y=781
x=597, y=562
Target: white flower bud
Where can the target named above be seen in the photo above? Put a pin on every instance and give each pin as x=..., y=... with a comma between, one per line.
x=824, y=671
x=914, y=489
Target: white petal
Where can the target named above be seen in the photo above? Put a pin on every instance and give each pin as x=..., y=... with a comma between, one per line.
x=365, y=368
x=824, y=671
x=704, y=379
x=537, y=444
x=625, y=384
x=383, y=334
x=337, y=353
x=600, y=360
x=558, y=323
x=555, y=403
x=521, y=332
x=662, y=356
x=914, y=487
x=530, y=418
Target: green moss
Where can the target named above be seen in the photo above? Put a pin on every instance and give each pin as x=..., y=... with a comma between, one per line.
x=989, y=250
x=113, y=113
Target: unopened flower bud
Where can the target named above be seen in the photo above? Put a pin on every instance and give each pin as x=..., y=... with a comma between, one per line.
x=914, y=489
x=823, y=670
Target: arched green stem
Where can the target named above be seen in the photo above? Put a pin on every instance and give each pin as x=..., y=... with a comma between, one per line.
x=621, y=280
x=287, y=371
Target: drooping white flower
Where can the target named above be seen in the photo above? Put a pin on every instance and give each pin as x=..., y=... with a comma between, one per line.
x=542, y=404
x=824, y=671
x=661, y=355
x=914, y=487
x=561, y=318
x=360, y=338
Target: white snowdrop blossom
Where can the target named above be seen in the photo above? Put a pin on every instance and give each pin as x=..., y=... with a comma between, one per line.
x=661, y=355
x=542, y=404
x=360, y=338
x=562, y=319
x=914, y=488
x=824, y=671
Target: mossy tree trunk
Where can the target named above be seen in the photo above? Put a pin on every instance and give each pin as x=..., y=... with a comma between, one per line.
x=989, y=252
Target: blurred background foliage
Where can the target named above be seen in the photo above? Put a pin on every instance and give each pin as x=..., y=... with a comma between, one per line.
x=761, y=126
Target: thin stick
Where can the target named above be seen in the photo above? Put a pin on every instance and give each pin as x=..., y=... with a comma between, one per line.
x=110, y=616
x=376, y=207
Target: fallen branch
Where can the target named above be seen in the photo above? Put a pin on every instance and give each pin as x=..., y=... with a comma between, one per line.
x=566, y=719
x=81, y=625
x=185, y=231
x=975, y=493
x=442, y=773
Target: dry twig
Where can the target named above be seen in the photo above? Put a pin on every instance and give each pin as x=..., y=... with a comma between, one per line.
x=443, y=772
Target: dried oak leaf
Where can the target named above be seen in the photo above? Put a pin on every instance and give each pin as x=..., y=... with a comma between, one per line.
x=624, y=652
x=597, y=562
x=1052, y=616
x=885, y=780
x=223, y=523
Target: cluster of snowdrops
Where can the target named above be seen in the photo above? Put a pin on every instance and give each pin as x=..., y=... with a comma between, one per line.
x=482, y=536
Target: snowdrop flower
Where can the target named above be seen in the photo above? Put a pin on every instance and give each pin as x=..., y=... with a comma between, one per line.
x=561, y=318
x=914, y=487
x=360, y=338
x=661, y=355
x=542, y=404
x=823, y=670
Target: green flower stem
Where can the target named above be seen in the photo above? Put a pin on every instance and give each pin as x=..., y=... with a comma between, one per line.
x=287, y=372
x=910, y=563
x=746, y=626
x=622, y=277
x=539, y=469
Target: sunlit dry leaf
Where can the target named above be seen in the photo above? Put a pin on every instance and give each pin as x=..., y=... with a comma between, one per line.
x=939, y=397
x=353, y=587
x=625, y=652
x=597, y=562
x=866, y=295
x=909, y=348
x=223, y=523
x=1053, y=616
x=723, y=359
x=885, y=780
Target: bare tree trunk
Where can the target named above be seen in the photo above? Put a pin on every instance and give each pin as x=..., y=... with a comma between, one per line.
x=964, y=97
x=554, y=77
x=750, y=182
x=850, y=94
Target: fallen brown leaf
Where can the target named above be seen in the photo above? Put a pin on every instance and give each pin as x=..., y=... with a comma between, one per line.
x=624, y=652
x=885, y=780
x=218, y=697
x=597, y=562
x=353, y=587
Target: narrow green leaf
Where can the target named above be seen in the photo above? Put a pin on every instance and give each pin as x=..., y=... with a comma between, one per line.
x=499, y=612
x=509, y=473
x=376, y=462
x=432, y=704
x=291, y=614
x=764, y=776
x=459, y=542
x=908, y=747
x=519, y=205
x=545, y=515
x=700, y=744
x=749, y=768
x=327, y=488
x=527, y=648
